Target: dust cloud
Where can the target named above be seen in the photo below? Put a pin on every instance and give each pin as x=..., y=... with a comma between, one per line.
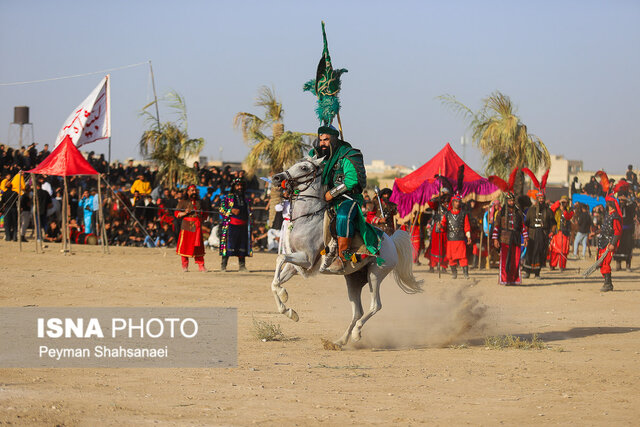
x=448, y=317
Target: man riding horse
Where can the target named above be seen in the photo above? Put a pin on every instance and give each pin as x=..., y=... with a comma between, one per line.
x=345, y=177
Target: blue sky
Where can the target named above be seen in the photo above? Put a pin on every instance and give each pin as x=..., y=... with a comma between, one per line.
x=571, y=67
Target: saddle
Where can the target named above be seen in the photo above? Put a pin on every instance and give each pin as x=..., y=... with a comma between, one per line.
x=330, y=234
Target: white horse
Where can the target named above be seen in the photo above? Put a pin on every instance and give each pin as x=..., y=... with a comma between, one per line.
x=305, y=243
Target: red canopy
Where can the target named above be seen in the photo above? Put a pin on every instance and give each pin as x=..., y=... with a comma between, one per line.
x=65, y=160
x=445, y=163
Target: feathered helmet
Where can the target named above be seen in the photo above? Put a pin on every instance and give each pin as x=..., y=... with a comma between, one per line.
x=507, y=188
x=459, y=182
x=539, y=185
x=610, y=192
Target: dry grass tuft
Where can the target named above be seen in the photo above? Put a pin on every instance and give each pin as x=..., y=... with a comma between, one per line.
x=267, y=331
x=509, y=341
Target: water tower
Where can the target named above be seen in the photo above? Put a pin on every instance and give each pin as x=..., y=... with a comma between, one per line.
x=20, y=130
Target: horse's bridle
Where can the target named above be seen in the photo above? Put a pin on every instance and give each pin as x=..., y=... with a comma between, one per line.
x=305, y=179
x=295, y=193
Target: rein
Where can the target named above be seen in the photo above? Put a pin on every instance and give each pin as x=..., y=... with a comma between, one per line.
x=306, y=179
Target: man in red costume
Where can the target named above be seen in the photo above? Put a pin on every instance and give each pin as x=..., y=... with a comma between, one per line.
x=610, y=232
x=190, y=241
x=456, y=224
x=437, y=249
x=509, y=233
x=559, y=248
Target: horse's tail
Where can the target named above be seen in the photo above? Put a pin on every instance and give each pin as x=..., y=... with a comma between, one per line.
x=403, y=272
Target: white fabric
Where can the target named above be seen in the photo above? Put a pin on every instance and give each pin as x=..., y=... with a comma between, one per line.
x=89, y=121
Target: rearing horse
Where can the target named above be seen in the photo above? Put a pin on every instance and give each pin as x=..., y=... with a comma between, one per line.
x=304, y=243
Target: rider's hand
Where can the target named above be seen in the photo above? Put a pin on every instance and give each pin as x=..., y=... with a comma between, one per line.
x=328, y=197
x=611, y=247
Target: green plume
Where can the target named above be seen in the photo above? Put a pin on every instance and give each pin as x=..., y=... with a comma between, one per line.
x=326, y=86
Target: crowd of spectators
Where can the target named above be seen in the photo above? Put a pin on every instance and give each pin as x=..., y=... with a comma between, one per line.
x=137, y=210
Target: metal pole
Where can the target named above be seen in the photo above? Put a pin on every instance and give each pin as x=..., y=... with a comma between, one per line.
x=155, y=96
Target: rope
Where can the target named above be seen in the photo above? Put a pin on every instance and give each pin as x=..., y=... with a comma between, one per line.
x=75, y=75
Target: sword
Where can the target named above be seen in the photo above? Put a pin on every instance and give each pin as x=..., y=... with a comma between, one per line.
x=377, y=191
x=597, y=264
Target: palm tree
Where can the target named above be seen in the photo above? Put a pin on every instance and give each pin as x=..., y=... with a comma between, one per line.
x=502, y=138
x=276, y=151
x=168, y=144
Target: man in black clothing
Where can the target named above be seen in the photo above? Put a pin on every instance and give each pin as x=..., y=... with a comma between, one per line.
x=9, y=208
x=593, y=188
x=632, y=178
x=625, y=248
x=583, y=220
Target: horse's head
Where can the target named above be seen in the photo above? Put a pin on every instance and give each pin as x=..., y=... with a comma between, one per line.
x=302, y=173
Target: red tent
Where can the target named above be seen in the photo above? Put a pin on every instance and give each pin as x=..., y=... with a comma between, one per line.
x=415, y=190
x=65, y=160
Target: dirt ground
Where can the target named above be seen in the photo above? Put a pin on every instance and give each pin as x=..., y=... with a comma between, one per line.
x=422, y=359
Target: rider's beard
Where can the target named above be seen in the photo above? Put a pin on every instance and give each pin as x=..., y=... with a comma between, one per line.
x=324, y=151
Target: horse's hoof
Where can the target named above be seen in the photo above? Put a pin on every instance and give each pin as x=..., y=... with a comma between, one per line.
x=291, y=314
x=356, y=335
x=284, y=296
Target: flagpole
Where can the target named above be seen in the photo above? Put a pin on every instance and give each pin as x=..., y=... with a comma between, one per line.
x=109, y=120
x=340, y=126
x=155, y=96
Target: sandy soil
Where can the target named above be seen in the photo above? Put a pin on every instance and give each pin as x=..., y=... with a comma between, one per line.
x=410, y=367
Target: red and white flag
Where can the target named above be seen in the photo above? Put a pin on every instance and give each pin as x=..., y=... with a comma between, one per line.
x=91, y=120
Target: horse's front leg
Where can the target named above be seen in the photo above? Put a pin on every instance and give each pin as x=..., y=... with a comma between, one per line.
x=285, y=269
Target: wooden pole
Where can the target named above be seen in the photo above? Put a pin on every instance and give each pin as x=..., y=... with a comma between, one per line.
x=340, y=126
x=155, y=96
x=67, y=241
x=35, y=210
x=19, y=212
x=103, y=233
x=480, y=249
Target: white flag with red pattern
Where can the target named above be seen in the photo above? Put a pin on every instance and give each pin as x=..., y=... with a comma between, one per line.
x=91, y=120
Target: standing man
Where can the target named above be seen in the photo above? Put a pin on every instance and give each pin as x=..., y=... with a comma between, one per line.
x=609, y=239
x=584, y=226
x=508, y=234
x=190, y=242
x=236, y=228
x=540, y=223
x=560, y=242
x=385, y=219
x=438, y=242
x=628, y=209
x=345, y=177
x=9, y=208
x=456, y=224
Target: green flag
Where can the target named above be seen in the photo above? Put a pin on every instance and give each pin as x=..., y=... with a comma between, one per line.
x=326, y=86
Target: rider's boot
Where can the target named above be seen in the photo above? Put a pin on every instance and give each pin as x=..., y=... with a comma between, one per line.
x=344, y=248
x=454, y=271
x=339, y=262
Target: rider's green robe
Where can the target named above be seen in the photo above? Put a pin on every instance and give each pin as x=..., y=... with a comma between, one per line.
x=346, y=166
